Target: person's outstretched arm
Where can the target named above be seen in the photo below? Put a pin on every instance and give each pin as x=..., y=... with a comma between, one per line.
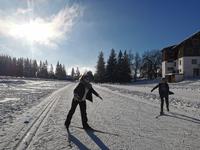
x=95, y=93
x=167, y=87
x=155, y=88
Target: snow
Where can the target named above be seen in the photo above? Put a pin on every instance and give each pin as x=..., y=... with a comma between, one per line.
x=127, y=118
x=9, y=99
x=19, y=95
x=186, y=93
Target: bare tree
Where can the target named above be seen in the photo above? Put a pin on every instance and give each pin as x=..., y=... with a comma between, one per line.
x=151, y=61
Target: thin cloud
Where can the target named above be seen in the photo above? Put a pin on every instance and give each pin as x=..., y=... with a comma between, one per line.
x=23, y=11
x=43, y=31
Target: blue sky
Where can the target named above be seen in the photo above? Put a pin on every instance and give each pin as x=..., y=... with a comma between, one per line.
x=74, y=31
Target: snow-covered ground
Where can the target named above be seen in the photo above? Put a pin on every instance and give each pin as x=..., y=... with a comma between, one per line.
x=186, y=93
x=125, y=119
x=18, y=95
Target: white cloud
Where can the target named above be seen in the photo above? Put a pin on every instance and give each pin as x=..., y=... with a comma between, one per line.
x=23, y=11
x=43, y=31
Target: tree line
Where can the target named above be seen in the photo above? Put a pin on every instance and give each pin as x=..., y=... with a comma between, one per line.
x=121, y=67
x=124, y=67
x=25, y=67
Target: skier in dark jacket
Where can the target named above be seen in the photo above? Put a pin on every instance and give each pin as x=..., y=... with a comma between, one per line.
x=164, y=94
x=82, y=92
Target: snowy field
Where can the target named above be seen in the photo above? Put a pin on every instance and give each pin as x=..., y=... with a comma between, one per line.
x=127, y=118
x=186, y=93
x=19, y=95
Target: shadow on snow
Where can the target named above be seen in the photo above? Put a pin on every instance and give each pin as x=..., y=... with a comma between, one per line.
x=182, y=117
x=73, y=139
x=91, y=134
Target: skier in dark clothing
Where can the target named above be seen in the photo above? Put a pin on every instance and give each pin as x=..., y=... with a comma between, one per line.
x=82, y=92
x=164, y=94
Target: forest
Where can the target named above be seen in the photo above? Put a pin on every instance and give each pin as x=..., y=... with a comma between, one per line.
x=121, y=67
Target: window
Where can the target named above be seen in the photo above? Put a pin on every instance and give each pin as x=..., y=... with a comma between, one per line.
x=196, y=72
x=175, y=64
x=180, y=70
x=179, y=62
x=194, y=61
x=170, y=60
x=170, y=68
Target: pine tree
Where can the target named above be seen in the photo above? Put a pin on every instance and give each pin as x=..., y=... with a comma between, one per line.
x=63, y=72
x=126, y=69
x=1, y=65
x=51, y=72
x=45, y=69
x=100, y=72
x=14, y=67
x=120, y=67
x=111, y=68
x=43, y=72
x=58, y=71
x=78, y=74
x=27, y=68
x=73, y=73
x=20, y=67
x=34, y=68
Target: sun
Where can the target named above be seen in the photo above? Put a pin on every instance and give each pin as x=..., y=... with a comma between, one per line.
x=33, y=31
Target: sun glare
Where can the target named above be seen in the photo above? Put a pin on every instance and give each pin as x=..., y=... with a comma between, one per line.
x=47, y=30
x=33, y=31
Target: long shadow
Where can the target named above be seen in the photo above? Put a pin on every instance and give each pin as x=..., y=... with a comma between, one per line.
x=183, y=117
x=76, y=141
x=96, y=140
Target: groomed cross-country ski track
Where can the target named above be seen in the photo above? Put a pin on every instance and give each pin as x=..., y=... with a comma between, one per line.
x=121, y=121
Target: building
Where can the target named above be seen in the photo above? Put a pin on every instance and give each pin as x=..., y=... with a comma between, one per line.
x=182, y=61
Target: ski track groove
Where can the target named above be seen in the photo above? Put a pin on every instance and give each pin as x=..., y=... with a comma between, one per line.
x=47, y=108
x=43, y=114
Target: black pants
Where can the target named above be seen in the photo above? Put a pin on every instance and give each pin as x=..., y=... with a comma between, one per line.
x=166, y=98
x=82, y=109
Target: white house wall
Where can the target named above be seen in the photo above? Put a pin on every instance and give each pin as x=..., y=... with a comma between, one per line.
x=188, y=67
x=164, y=68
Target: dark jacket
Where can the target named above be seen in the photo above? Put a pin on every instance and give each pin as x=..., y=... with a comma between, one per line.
x=80, y=90
x=163, y=89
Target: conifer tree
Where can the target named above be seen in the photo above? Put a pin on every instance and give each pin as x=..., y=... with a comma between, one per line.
x=34, y=68
x=63, y=72
x=14, y=67
x=58, y=71
x=20, y=67
x=100, y=72
x=27, y=68
x=78, y=74
x=120, y=67
x=126, y=77
x=111, y=68
x=72, y=73
x=51, y=72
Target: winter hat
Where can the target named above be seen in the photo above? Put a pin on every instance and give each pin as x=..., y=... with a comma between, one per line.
x=89, y=75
